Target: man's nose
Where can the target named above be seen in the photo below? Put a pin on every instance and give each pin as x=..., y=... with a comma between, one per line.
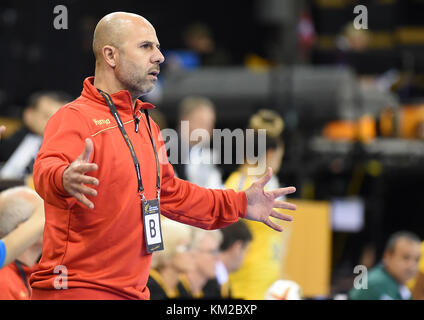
x=158, y=57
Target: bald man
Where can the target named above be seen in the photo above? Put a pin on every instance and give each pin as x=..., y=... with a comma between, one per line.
x=16, y=206
x=104, y=176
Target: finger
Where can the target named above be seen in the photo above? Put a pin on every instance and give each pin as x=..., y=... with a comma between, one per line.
x=83, y=199
x=264, y=180
x=282, y=191
x=86, y=180
x=80, y=188
x=85, y=167
x=273, y=225
x=2, y=129
x=281, y=216
x=88, y=149
x=284, y=205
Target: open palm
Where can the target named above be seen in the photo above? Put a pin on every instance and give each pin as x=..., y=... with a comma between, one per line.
x=261, y=203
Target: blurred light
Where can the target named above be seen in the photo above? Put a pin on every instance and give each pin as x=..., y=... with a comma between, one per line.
x=347, y=215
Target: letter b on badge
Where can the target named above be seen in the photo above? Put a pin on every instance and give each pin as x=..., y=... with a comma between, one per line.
x=152, y=225
x=153, y=234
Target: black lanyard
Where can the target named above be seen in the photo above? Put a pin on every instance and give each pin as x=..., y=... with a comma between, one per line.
x=130, y=146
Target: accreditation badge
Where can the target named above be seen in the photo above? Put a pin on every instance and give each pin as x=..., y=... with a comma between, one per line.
x=152, y=228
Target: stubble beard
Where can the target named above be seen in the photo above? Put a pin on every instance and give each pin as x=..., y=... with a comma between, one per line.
x=135, y=82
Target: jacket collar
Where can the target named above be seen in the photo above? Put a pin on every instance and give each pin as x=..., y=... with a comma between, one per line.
x=121, y=99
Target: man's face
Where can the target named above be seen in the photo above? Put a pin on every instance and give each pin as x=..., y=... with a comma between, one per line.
x=238, y=252
x=183, y=258
x=206, y=256
x=202, y=118
x=139, y=58
x=402, y=263
x=36, y=118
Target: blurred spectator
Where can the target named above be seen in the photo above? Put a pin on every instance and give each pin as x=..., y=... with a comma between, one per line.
x=16, y=206
x=159, y=118
x=387, y=280
x=353, y=40
x=20, y=150
x=200, y=50
x=196, y=161
x=23, y=237
x=198, y=37
x=263, y=263
x=418, y=282
x=232, y=251
x=169, y=264
x=205, y=245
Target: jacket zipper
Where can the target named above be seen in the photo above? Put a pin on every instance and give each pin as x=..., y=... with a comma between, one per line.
x=137, y=121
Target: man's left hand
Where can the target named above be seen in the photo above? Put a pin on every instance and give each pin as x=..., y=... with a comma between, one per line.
x=261, y=203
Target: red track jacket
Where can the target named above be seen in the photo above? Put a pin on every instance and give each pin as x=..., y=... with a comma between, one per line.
x=103, y=250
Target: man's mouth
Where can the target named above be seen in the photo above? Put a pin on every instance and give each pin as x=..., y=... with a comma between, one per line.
x=154, y=73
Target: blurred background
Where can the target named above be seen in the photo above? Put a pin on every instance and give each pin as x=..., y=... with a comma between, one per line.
x=352, y=100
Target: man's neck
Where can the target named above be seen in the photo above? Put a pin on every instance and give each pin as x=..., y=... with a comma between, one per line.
x=111, y=85
x=226, y=260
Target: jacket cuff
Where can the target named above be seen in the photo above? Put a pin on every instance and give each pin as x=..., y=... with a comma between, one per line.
x=58, y=181
x=243, y=203
x=69, y=201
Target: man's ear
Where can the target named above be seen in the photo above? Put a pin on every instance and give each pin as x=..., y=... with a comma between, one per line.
x=110, y=54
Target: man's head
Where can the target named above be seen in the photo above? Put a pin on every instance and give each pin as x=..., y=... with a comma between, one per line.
x=236, y=239
x=127, y=51
x=16, y=206
x=205, y=245
x=401, y=255
x=176, y=255
x=199, y=112
x=41, y=106
x=198, y=37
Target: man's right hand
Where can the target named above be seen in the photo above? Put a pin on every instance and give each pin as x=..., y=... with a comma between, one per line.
x=74, y=178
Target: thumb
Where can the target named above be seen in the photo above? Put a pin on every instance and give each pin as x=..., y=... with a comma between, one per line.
x=264, y=180
x=88, y=149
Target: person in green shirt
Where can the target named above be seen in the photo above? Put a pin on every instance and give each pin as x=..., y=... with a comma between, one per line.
x=387, y=280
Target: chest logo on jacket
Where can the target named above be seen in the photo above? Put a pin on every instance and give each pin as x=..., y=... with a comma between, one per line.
x=101, y=122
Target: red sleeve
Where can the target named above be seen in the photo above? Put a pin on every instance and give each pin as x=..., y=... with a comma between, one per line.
x=201, y=207
x=63, y=142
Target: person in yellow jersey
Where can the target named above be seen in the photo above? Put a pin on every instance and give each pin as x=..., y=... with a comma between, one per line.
x=262, y=265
